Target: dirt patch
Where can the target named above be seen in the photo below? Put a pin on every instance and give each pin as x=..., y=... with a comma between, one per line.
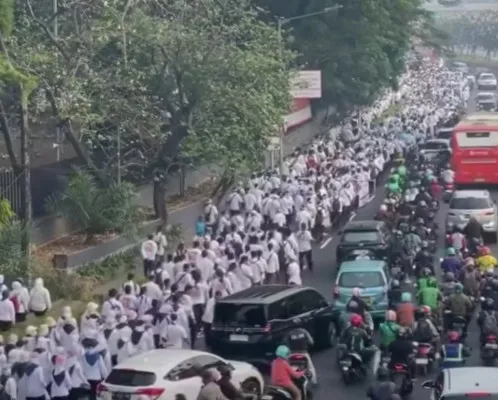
x=193, y=194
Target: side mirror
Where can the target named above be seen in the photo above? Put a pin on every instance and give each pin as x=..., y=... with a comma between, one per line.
x=428, y=385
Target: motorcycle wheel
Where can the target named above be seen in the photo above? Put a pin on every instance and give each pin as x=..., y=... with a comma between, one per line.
x=346, y=377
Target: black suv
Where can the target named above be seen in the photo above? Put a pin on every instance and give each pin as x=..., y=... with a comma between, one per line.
x=253, y=322
x=364, y=235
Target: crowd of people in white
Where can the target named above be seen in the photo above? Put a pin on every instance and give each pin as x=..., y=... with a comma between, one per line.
x=263, y=235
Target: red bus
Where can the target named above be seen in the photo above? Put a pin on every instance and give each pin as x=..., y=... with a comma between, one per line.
x=474, y=146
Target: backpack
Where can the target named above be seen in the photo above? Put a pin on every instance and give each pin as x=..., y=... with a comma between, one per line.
x=489, y=325
x=423, y=331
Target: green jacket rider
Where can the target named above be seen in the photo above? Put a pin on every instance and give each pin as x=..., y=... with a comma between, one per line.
x=388, y=331
x=393, y=186
x=430, y=295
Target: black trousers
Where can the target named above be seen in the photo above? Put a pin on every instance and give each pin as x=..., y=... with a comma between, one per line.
x=148, y=267
x=5, y=326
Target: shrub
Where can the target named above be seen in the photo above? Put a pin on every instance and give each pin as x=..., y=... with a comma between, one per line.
x=94, y=209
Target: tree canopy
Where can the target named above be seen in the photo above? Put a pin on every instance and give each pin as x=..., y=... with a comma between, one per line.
x=359, y=48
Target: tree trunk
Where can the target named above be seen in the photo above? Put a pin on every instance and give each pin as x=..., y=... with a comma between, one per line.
x=159, y=200
x=26, y=212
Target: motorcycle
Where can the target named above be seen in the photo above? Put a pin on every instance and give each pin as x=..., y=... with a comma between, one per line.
x=279, y=393
x=424, y=358
x=299, y=361
x=448, y=189
x=401, y=379
x=352, y=369
x=455, y=322
x=489, y=352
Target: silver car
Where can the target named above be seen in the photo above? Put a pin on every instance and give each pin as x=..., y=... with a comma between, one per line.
x=464, y=383
x=486, y=81
x=465, y=204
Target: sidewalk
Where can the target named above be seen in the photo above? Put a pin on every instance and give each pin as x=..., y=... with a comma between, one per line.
x=49, y=228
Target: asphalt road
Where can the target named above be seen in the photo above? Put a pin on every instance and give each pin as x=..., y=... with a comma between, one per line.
x=322, y=279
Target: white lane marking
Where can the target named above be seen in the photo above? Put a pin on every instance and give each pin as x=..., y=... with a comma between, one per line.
x=370, y=199
x=324, y=244
x=352, y=216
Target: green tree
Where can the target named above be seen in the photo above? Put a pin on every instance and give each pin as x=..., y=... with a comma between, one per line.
x=359, y=49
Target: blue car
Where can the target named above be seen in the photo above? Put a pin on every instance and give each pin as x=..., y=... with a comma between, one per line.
x=373, y=279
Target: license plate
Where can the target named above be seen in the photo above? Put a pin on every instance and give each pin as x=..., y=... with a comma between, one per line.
x=491, y=346
x=479, y=180
x=121, y=396
x=239, y=338
x=421, y=361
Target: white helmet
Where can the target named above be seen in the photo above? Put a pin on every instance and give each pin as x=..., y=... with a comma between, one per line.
x=383, y=208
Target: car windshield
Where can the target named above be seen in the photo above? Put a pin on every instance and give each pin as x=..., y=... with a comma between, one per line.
x=131, y=377
x=432, y=146
x=487, y=76
x=250, y=315
x=362, y=279
x=361, y=236
x=469, y=203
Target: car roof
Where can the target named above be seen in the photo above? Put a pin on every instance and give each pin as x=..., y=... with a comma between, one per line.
x=465, y=380
x=159, y=361
x=363, y=225
x=463, y=194
x=485, y=94
x=443, y=141
x=264, y=294
x=487, y=73
x=361, y=265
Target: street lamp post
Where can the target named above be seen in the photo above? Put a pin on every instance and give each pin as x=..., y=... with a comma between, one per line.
x=280, y=23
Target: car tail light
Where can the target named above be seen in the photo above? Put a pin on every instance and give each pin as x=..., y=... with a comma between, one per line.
x=267, y=328
x=296, y=357
x=491, y=338
x=152, y=393
x=477, y=394
x=101, y=388
x=336, y=292
x=399, y=367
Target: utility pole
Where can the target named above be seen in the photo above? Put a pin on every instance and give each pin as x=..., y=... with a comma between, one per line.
x=25, y=181
x=280, y=23
x=58, y=139
x=118, y=155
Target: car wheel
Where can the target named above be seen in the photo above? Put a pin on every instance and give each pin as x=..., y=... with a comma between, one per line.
x=252, y=386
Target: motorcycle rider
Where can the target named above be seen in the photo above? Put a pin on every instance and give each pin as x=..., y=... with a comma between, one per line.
x=402, y=351
x=486, y=259
x=449, y=284
x=448, y=175
x=356, y=305
x=229, y=390
x=404, y=208
x=394, y=294
x=393, y=186
x=457, y=240
x=412, y=242
x=422, y=211
x=430, y=296
x=282, y=374
x=356, y=339
x=421, y=230
x=486, y=288
x=423, y=260
x=487, y=320
x=422, y=199
x=435, y=189
x=388, y=330
x=397, y=247
x=460, y=306
x=382, y=388
x=424, y=330
x=425, y=274
x=405, y=310
x=453, y=353
x=299, y=341
x=451, y=263
x=470, y=278
x=473, y=228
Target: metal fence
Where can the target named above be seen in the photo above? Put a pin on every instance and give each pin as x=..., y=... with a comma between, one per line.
x=10, y=188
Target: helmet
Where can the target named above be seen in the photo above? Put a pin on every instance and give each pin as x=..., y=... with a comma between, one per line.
x=426, y=310
x=490, y=271
x=484, y=251
x=406, y=297
x=356, y=320
x=422, y=203
x=383, y=207
x=419, y=221
x=356, y=292
x=432, y=282
x=403, y=332
x=489, y=302
x=391, y=316
x=453, y=336
x=450, y=251
x=449, y=276
x=425, y=244
x=426, y=271
x=434, y=180
x=469, y=262
x=282, y=351
x=395, y=284
x=419, y=313
x=458, y=288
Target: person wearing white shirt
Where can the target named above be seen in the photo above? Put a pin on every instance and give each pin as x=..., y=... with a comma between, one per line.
x=152, y=289
x=112, y=306
x=294, y=274
x=272, y=265
x=149, y=252
x=211, y=216
x=205, y=266
x=7, y=312
x=184, y=278
x=304, y=239
x=221, y=284
x=235, y=202
x=162, y=243
x=135, y=289
x=279, y=219
x=175, y=335
x=233, y=278
x=244, y=272
x=208, y=317
x=39, y=298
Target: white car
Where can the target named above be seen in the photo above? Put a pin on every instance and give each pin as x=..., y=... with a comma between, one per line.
x=162, y=374
x=486, y=81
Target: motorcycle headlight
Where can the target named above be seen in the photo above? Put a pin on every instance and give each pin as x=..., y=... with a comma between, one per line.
x=346, y=363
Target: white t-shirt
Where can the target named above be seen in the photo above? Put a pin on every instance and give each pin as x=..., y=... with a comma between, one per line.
x=294, y=273
x=304, y=239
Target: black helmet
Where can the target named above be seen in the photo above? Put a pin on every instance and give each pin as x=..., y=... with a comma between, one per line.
x=489, y=302
x=419, y=314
